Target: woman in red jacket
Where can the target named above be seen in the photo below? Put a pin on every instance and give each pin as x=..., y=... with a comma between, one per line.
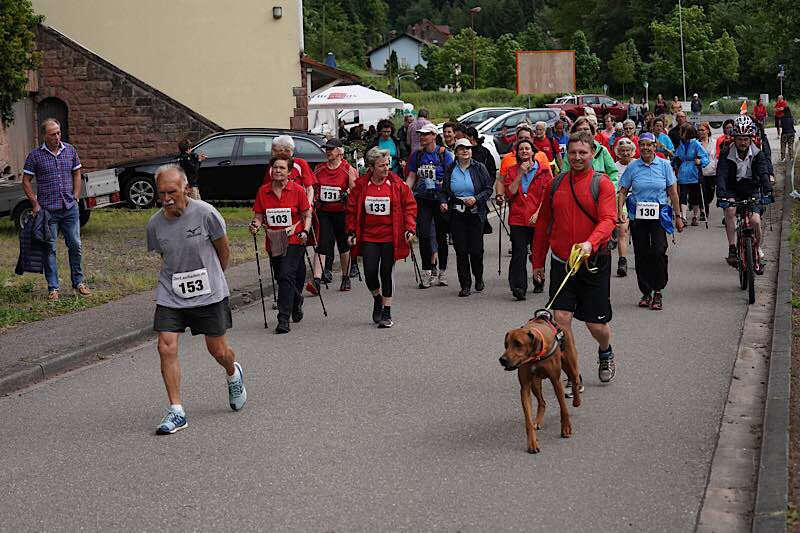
x=524, y=185
x=381, y=221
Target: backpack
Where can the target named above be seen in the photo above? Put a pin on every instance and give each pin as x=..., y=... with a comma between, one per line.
x=418, y=157
x=594, y=188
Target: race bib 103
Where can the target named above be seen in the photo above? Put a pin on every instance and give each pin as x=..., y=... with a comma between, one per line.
x=279, y=216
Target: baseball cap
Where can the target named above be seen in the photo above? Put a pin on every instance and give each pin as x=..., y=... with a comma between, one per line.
x=647, y=136
x=333, y=143
x=462, y=142
x=427, y=128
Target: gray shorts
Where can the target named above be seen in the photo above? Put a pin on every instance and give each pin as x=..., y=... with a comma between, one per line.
x=212, y=320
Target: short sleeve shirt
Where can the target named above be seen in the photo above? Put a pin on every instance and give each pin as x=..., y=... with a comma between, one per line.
x=284, y=211
x=332, y=182
x=429, y=169
x=53, y=173
x=186, y=245
x=647, y=183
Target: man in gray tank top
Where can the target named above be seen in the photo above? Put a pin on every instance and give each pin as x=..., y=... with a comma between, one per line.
x=192, y=291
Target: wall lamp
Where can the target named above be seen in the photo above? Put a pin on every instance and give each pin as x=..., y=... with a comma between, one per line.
x=277, y=12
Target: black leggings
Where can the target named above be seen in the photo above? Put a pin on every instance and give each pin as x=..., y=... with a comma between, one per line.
x=378, y=266
x=331, y=229
x=709, y=187
x=521, y=238
x=427, y=211
x=290, y=271
x=650, y=251
x=467, y=230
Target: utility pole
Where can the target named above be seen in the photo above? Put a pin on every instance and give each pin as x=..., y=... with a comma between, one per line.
x=472, y=11
x=683, y=63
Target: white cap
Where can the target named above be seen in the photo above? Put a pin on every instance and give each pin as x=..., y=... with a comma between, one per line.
x=462, y=142
x=695, y=95
x=427, y=128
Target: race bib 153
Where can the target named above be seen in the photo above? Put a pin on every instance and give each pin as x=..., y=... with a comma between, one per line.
x=191, y=284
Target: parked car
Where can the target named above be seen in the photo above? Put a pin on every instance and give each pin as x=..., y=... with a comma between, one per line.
x=482, y=114
x=233, y=170
x=100, y=189
x=511, y=119
x=574, y=105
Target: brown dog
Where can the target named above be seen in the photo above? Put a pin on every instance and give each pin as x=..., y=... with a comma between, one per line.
x=534, y=351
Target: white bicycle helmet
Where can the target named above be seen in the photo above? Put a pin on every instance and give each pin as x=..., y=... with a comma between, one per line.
x=743, y=126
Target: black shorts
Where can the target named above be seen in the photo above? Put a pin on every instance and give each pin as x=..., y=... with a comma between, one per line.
x=586, y=295
x=332, y=229
x=212, y=320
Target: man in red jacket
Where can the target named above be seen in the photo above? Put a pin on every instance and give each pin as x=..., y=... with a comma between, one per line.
x=571, y=214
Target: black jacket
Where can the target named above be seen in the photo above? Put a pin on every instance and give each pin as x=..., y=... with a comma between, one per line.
x=481, y=182
x=33, y=244
x=729, y=187
x=482, y=154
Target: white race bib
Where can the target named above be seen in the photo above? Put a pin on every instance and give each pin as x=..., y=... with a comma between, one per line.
x=329, y=194
x=377, y=205
x=648, y=211
x=191, y=284
x=279, y=216
x=458, y=207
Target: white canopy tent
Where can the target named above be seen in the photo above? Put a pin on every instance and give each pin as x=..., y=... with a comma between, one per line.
x=354, y=104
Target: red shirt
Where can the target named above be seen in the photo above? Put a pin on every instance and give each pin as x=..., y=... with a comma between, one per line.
x=760, y=112
x=300, y=173
x=545, y=146
x=524, y=205
x=602, y=139
x=330, y=184
x=284, y=211
x=779, y=107
x=571, y=225
x=377, y=209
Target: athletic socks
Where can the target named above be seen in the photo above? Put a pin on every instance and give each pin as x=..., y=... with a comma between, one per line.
x=177, y=409
x=605, y=354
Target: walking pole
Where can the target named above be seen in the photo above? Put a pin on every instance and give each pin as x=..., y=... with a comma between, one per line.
x=700, y=181
x=499, y=246
x=417, y=271
x=311, y=266
x=272, y=277
x=260, y=284
x=319, y=260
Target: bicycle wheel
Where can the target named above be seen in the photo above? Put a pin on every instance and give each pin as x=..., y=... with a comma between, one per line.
x=750, y=272
x=741, y=245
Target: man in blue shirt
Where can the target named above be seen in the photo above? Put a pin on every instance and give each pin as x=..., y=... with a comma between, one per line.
x=426, y=169
x=652, y=184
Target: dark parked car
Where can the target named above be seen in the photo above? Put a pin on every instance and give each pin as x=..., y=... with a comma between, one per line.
x=234, y=168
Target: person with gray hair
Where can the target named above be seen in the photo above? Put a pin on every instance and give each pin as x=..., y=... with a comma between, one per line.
x=300, y=171
x=57, y=170
x=412, y=135
x=192, y=291
x=381, y=221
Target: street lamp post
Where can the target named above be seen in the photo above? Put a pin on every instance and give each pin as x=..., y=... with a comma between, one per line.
x=683, y=64
x=472, y=11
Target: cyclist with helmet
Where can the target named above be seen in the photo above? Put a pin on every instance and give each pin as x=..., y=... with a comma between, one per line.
x=742, y=172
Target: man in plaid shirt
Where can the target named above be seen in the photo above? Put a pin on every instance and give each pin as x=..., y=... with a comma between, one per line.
x=56, y=168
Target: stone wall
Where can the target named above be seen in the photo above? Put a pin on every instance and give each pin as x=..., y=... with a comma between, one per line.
x=113, y=116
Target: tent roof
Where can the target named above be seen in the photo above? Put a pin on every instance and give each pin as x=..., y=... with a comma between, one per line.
x=352, y=97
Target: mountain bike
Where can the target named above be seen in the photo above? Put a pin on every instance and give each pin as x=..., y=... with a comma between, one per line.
x=749, y=259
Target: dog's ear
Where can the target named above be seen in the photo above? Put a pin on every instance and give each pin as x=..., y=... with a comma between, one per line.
x=505, y=340
x=534, y=342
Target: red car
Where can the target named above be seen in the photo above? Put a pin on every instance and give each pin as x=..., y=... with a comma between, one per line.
x=574, y=105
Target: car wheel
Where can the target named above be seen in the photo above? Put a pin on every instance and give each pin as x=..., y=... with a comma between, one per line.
x=140, y=192
x=84, y=216
x=21, y=214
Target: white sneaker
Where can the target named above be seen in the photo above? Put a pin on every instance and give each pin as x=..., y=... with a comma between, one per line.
x=442, y=278
x=425, y=279
x=237, y=394
x=761, y=253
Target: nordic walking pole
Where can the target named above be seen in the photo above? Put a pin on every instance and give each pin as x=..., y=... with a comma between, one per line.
x=319, y=260
x=311, y=266
x=260, y=284
x=700, y=181
x=272, y=277
x=417, y=272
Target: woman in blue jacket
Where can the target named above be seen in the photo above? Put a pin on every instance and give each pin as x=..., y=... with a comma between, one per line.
x=689, y=157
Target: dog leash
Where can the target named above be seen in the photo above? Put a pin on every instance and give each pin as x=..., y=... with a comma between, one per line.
x=577, y=257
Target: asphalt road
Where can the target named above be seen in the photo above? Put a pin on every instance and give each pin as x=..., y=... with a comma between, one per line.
x=348, y=427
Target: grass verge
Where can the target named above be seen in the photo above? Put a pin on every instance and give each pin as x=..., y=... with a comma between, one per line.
x=115, y=263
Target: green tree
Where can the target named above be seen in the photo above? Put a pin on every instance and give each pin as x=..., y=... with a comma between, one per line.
x=327, y=28
x=504, y=65
x=587, y=64
x=17, y=49
x=430, y=76
x=456, y=56
x=727, y=60
x=534, y=37
x=622, y=66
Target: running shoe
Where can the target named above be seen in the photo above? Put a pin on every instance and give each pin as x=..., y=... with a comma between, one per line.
x=479, y=285
x=733, y=257
x=172, y=423
x=313, y=287
x=237, y=394
x=282, y=327
x=702, y=216
x=606, y=368
x=442, y=277
x=297, y=312
x=426, y=279
x=386, y=319
x=377, y=308
x=538, y=288
x=645, y=301
x=622, y=267
x=694, y=221
x=518, y=294
x=568, y=387
x=657, y=304
x=354, y=269
x=345, y=286
x=759, y=268
x=327, y=275
x=761, y=253
x=464, y=292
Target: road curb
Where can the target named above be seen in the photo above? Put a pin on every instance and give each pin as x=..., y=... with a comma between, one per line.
x=50, y=366
x=773, y=476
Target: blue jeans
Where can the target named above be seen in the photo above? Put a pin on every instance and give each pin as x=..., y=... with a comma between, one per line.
x=68, y=222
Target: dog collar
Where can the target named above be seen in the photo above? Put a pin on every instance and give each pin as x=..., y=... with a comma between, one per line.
x=542, y=354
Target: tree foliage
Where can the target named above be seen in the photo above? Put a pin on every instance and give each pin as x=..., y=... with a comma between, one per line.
x=17, y=50
x=622, y=64
x=587, y=64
